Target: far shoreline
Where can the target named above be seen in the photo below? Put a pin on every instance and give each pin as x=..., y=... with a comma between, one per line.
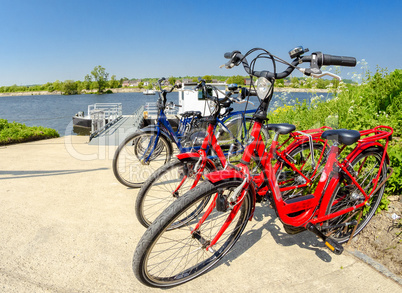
x=136, y=90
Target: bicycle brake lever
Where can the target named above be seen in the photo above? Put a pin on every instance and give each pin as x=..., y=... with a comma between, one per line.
x=326, y=73
x=318, y=74
x=227, y=65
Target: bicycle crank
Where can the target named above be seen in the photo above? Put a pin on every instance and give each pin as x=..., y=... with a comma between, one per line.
x=332, y=244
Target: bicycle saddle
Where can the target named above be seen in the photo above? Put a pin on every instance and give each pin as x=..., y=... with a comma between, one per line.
x=191, y=113
x=282, y=128
x=344, y=136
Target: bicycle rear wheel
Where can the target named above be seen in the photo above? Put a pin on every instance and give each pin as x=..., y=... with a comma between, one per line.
x=366, y=167
x=166, y=258
x=164, y=187
x=129, y=166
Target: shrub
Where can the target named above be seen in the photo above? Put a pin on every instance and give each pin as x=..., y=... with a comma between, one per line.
x=16, y=132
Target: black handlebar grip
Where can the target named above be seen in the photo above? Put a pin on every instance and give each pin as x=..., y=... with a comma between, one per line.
x=338, y=60
x=228, y=55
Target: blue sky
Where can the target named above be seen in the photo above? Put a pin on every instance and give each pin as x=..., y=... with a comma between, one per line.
x=44, y=40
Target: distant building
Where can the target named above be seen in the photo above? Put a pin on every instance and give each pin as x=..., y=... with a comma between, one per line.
x=247, y=81
x=131, y=83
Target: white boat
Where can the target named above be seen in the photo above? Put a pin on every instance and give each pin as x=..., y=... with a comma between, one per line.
x=190, y=99
x=149, y=92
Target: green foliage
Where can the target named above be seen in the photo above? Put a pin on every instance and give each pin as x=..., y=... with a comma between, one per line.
x=114, y=83
x=69, y=87
x=100, y=76
x=394, y=183
x=236, y=79
x=280, y=83
x=172, y=80
x=16, y=132
x=207, y=78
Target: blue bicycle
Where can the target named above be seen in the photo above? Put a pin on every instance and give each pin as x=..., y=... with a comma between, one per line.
x=144, y=151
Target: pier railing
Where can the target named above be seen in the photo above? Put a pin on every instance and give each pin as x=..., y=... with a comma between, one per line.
x=103, y=115
x=152, y=110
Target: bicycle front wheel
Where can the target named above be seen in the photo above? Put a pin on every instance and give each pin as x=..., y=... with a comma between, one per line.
x=366, y=167
x=164, y=186
x=166, y=258
x=138, y=156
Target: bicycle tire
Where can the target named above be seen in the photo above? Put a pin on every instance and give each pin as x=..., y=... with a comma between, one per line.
x=127, y=167
x=346, y=194
x=154, y=243
x=159, y=190
x=300, y=156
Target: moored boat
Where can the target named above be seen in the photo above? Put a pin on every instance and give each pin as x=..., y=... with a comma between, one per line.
x=149, y=92
x=98, y=115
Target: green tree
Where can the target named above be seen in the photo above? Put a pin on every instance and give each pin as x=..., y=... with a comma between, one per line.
x=295, y=82
x=172, y=80
x=57, y=85
x=280, y=83
x=207, y=78
x=87, y=82
x=140, y=85
x=114, y=83
x=100, y=76
x=237, y=79
x=70, y=87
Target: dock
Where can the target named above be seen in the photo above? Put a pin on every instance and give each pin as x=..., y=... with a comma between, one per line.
x=116, y=131
x=113, y=133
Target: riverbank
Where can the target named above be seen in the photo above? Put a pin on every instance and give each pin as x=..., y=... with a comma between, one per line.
x=137, y=90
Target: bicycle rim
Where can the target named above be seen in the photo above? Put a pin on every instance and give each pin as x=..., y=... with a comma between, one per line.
x=166, y=258
x=127, y=165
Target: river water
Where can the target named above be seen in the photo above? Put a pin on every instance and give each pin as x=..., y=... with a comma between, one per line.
x=56, y=111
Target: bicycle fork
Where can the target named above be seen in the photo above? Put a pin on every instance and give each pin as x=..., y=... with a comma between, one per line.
x=238, y=197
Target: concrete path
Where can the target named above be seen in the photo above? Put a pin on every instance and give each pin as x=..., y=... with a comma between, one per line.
x=67, y=225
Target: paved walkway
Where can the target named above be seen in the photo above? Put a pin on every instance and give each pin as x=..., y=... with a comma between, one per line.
x=67, y=225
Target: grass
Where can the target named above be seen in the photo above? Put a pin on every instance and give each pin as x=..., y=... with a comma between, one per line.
x=16, y=132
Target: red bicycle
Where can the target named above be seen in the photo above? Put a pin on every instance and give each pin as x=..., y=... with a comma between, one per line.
x=174, y=179
x=343, y=200
x=298, y=161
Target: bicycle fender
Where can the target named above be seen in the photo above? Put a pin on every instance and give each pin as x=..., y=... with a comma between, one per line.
x=233, y=175
x=185, y=157
x=365, y=146
x=216, y=176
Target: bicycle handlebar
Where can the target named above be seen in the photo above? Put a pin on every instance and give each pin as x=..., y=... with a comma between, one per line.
x=316, y=60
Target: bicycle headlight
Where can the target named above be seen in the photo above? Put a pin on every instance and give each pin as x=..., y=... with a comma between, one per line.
x=264, y=87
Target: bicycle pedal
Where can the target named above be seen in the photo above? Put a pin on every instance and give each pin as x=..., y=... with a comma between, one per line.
x=334, y=246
